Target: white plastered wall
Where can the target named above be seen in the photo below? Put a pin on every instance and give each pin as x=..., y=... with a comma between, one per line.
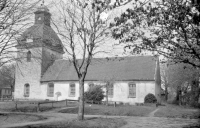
x=28, y=72
x=121, y=91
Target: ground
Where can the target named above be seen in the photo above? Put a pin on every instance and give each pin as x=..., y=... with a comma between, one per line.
x=99, y=116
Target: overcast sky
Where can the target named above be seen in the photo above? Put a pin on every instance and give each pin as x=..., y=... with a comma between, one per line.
x=114, y=50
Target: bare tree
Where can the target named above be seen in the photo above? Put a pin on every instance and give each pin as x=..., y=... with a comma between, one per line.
x=83, y=33
x=14, y=17
x=109, y=85
x=84, y=29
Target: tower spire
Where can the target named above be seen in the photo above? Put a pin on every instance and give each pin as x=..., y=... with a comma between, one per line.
x=42, y=15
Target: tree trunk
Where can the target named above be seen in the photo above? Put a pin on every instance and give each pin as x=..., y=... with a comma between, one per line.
x=166, y=93
x=178, y=92
x=106, y=95
x=195, y=93
x=81, y=100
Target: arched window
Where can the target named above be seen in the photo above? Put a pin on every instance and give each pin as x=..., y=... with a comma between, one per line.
x=72, y=89
x=132, y=90
x=50, y=89
x=28, y=56
x=26, y=90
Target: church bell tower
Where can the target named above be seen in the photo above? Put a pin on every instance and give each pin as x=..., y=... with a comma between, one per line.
x=38, y=48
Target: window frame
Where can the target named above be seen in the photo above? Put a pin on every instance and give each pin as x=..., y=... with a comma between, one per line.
x=70, y=90
x=130, y=95
x=26, y=93
x=50, y=93
x=110, y=90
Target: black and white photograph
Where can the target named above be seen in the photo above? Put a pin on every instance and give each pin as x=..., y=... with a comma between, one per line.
x=99, y=63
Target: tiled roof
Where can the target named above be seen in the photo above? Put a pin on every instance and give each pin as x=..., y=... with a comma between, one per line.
x=118, y=69
x=44, y=33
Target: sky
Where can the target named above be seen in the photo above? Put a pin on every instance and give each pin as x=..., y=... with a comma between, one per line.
x=111, y=46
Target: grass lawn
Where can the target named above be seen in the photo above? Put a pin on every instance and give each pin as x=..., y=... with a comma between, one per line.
x=192, y=126
x=173, y=111
x=87, y=123
x=170, y=111
x=18, y=118
x=122, y=110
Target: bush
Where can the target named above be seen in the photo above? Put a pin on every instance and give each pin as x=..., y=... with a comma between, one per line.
x=94, y=93
x=194, y=104
x=150, y=98
x=174, y=101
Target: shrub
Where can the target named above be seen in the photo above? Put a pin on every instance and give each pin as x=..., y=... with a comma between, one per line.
x=150, y=98
x=174, y=101
x=194, y=104
x=94, y=93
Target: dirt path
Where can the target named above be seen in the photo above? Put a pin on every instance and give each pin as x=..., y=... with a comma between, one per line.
x=152, y=113
x=132, y=122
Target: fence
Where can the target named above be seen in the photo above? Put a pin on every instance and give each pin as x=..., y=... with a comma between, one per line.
x=39, y=103
x=5, y=98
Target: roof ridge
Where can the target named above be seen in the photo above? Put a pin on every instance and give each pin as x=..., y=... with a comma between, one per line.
x=111, y=57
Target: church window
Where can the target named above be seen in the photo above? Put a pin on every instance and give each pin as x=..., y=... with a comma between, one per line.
x=50, y=90
x=28, y=56
x=110, y=90
x=72, y=90
x=26, y=90
x=132, y=90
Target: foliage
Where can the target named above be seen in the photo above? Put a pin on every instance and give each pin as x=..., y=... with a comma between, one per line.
x=169, y=27
x=95, y=93
x=182, y=80
x=150, y=98
x=7, y=76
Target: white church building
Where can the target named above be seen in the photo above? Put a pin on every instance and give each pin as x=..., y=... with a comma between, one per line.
x=42, y=73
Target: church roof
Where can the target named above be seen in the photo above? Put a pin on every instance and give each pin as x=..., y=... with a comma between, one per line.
x=45, y=33
x=101, y=69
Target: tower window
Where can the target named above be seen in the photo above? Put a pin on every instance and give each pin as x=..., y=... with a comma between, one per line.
x=26, y=90
x=28, y=56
